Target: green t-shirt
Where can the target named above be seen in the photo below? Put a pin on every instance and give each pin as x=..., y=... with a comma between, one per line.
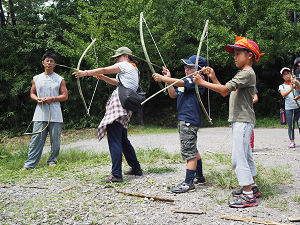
x=242, y=88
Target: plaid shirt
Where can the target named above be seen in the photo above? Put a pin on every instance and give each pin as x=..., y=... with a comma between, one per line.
x=114, y=112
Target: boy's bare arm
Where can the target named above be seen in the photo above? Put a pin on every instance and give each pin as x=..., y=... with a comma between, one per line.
x=211, y=74
x=221, y=89
x=159, y=78
x=215, y=86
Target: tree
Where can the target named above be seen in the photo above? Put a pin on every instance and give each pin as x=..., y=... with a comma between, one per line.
x=2, y=16
x=176, y=25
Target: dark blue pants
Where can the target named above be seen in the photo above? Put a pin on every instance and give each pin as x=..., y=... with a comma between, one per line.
x=118, y=145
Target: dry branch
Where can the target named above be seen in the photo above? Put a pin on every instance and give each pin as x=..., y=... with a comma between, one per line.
x=29, y=186
x=67, y=189
x=146, y=196
x=259, y=153
x=187, y=211
x=3, y=185
x=274, y=154
x=237, y=218
x=294, y=219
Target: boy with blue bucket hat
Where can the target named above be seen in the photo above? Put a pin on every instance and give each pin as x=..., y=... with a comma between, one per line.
x=189, y=121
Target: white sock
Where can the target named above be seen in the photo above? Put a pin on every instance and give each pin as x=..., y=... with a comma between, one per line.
x=250, y=193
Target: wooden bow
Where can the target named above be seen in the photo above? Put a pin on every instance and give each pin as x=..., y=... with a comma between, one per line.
x=78, y=80
x=145, y=49
x=196, y=67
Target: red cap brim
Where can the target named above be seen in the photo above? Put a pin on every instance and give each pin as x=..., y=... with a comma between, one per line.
x=230, y=48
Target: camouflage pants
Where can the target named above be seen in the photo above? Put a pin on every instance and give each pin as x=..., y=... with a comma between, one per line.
x=188, y=140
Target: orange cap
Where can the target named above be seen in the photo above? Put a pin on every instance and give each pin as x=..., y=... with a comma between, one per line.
x=245, y=43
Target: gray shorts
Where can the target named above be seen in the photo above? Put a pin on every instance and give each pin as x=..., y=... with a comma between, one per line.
x=188, y=140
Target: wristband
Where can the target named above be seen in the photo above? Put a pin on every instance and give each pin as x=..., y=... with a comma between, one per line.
x=86, y=73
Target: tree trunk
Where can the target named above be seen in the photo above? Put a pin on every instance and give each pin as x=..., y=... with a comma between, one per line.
x=12, y=12
x=2, y=17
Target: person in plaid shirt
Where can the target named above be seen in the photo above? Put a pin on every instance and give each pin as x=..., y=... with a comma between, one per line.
x=116, y=118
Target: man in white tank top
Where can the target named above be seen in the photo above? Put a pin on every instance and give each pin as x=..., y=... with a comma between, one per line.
x=48, y=90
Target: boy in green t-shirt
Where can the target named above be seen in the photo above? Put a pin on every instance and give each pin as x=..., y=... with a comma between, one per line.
x=241, y=114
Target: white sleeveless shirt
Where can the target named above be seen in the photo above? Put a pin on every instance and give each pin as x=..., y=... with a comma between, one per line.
x=48, y=86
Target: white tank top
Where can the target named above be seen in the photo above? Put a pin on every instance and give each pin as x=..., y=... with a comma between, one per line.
x=48, y=86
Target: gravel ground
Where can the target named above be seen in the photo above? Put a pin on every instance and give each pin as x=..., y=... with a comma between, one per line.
x=79, y=198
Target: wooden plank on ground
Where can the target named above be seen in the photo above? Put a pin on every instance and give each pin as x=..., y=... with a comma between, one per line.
x=294, y=219
x=237, y=218
x=30, y=186
x=146, y=196
x=187, y=211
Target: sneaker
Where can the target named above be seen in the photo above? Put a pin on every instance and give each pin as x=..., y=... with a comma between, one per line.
x=137, y=172
x=292, y=145
x=199, y=180
x=183, y=187
x=255, y=190
x=243, y=201
x=112, y=178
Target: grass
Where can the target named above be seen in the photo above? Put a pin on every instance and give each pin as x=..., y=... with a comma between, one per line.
x=75, y=163
x=280, y=204
x=163, y=169
x=221, y=175
x=296, y=198
x=72, y=162
x=272, y=122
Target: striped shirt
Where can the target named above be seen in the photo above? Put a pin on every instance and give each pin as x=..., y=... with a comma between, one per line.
x=129, y=75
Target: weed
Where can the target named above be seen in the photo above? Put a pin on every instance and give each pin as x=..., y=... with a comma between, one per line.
x=268, y=180
x=154, y=155
x=280, y=204
x=296, y=197
x=164, y=169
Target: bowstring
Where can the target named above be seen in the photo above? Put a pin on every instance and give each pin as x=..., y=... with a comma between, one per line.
x=96, y=56
x=207, y=60
x=154, y=42
x=41, y=131
x=155, y=45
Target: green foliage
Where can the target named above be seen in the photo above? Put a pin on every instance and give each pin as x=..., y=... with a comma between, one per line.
x=176, y=25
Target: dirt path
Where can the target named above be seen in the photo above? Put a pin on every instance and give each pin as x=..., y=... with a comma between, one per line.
x=89, y=202
x=218, y=139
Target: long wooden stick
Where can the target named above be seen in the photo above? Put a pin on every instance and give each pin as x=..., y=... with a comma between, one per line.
x=257, y=153
x=146, y=100
x=68, y=188
x=146, y=196
x=274, y=154
x=237, y=218
x=187, y=211
x=64, y=66
x=29, y=186
x=294, y=219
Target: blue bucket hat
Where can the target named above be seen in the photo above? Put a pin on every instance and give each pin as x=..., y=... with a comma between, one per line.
x=192, y=61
